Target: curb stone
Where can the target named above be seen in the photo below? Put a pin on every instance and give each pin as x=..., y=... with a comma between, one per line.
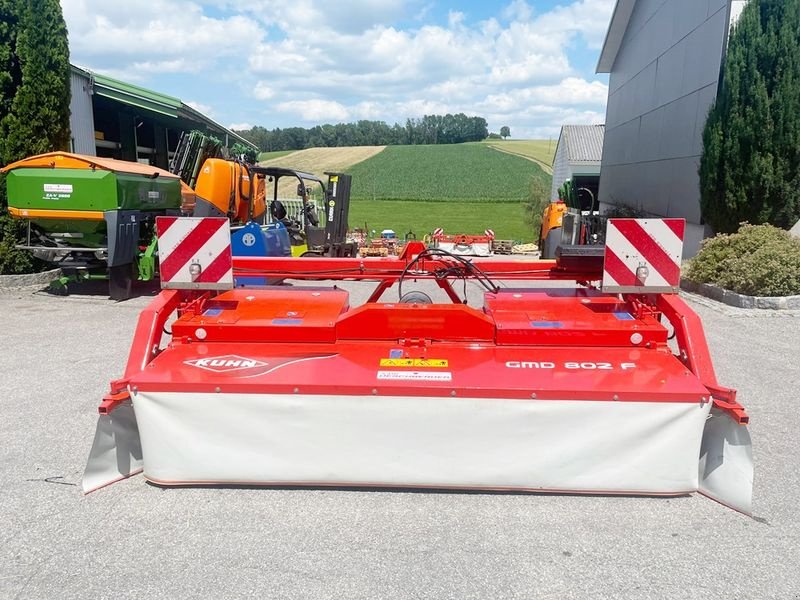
x=740, y=300
x=10, y=282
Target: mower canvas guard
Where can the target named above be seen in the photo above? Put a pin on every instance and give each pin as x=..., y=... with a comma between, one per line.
x=545, y=389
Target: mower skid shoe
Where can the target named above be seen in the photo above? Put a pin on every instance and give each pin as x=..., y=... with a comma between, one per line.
x=726, y=463
x=116, y=451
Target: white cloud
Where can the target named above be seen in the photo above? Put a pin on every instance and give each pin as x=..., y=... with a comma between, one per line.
x=263, y=90
x=518, y=10
x=315, y=110
x=200, y=107
x=588, y=18
x=283, y=62
x=154, y=35
x=240, y=126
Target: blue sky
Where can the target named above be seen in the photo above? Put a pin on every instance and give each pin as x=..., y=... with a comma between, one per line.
x=280, y=63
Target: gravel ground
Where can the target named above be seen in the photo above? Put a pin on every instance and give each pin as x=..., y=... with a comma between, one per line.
x=134, y=540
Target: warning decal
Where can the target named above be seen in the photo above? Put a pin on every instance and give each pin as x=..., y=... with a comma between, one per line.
x=415, y=375
x=435, y=363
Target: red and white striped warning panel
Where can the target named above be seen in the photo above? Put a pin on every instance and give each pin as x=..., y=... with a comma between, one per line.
x=643, y=255
x=438, y=232
x=194, y=253
x=489, y=233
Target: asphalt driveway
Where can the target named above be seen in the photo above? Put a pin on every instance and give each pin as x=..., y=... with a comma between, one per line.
x=134, y=540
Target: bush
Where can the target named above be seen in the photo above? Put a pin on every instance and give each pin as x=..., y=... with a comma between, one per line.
x=623, y=211
x=758, y=260
x=12, y=260
x=537, y=201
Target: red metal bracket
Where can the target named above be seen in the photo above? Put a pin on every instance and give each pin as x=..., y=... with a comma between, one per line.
x=146, y=341
x=111, y=401
x=696, y=355
x=725, y=400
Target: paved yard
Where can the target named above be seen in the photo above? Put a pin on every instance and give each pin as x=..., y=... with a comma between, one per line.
x=134, y=540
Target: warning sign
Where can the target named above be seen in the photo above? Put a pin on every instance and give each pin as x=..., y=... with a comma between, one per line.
x=415, y=376
x=434, y=363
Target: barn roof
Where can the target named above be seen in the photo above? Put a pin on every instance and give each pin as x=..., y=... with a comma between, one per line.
x=584, y=143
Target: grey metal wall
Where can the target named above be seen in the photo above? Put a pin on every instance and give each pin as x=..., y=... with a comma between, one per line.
x=662, y=84
x=81, y=120
x=561, y=170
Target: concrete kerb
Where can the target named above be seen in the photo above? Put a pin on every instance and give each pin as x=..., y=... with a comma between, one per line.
x=740, y=300
x=14, y=282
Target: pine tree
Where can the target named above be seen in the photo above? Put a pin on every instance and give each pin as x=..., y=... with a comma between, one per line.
x=34, y=100
x=750, y=168
x=35, y=91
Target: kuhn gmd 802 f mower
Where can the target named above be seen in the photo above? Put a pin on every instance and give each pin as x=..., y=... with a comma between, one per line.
x=551, y=388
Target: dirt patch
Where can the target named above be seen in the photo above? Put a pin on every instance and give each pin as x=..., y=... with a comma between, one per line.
x=544, y=166
x=318, y=161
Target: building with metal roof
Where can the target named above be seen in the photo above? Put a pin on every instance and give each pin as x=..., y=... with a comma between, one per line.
x=664, y=59
x=578, y=153
x=114, y=119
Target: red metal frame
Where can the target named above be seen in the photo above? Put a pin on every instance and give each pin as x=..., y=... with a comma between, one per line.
x=695, y=353
x=474, y=336
x=145, y=346
x=392, y=267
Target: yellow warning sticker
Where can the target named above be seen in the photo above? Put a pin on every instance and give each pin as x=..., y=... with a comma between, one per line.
x=436, y=363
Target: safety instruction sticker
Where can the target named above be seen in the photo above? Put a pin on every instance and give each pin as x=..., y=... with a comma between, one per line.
x=57, y=191
x=435, y=363
x=415, y=375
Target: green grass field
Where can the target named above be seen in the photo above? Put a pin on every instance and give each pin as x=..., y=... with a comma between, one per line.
x=463, y=188
x=542, y=151
x=464, y=172
x=262, y=156
x=422, y=217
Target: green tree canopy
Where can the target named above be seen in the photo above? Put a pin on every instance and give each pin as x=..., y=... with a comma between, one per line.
x=750, y=167
x=430, y=129
x=34, y=79
x=34, y=100
x=505, y=131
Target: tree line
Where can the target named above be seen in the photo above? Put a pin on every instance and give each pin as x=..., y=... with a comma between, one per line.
x=430, y=129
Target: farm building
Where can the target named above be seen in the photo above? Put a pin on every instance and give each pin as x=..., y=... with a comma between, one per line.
x=664, y=59
x=578, y=154
x=114, y=119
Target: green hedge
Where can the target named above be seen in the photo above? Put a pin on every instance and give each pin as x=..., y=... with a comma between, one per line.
x=13, y=261
x=758, y=260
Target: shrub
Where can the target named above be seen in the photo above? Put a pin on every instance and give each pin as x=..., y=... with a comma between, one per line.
x=12, y=260
x=537, y=201
x=758, y=260
x=623, y=211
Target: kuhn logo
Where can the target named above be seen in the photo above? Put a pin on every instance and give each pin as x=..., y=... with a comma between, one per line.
x=222, y=364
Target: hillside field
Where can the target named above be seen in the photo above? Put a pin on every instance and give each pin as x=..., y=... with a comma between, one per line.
x=421, y=217
x=463, y=172
x=263, y=156
x=539, y=151
x=463, y=188
x=317, y=161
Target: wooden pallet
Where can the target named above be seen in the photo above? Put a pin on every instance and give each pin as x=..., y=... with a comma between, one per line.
x=373, y=251
x=526, y=249
x=502, y=246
